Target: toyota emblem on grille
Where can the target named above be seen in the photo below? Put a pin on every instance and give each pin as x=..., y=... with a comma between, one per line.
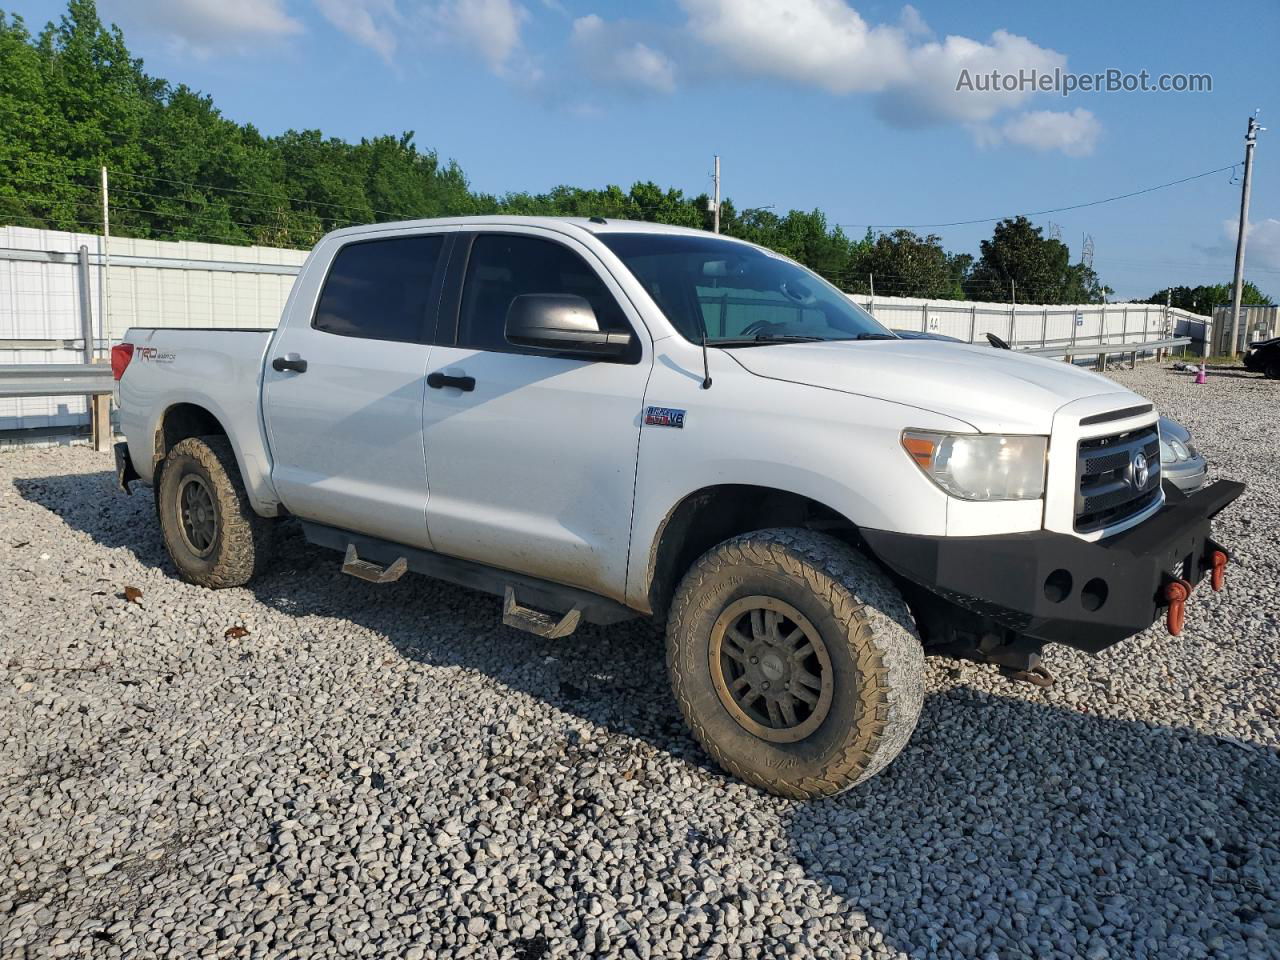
x=1141, y=472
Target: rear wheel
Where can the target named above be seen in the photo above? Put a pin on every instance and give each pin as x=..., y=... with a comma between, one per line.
x=213, y=535
x=1272, y=370
x=795, y=662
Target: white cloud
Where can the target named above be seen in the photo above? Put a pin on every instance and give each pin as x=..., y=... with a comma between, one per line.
x=928, y=94
x=611, y=57
x=488, y=28
x=1074, y=132
x=371, y=23
x=820, y=43
x=828, y=45
x=203, y=28
x=1262, y=243
x=913, y=23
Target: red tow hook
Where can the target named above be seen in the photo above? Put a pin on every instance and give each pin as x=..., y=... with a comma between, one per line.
x=1176, y=593
x=1218, y=562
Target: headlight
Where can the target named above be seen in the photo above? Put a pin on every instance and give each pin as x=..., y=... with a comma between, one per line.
x=980, y=466
x=1174, y=450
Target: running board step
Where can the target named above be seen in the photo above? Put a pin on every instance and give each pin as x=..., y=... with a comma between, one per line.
x=367, y=570
x=537, y=622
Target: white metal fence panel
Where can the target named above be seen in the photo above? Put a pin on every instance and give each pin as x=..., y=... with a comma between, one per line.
x=146, y=296
x=1029, y=325
x=40, y=301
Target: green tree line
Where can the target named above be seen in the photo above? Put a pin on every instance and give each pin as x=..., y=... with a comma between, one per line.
x=73, y=99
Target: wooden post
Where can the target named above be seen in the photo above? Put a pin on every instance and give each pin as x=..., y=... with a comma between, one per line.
x=100, y=419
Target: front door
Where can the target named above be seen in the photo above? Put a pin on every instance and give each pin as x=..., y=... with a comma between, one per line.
x=343, y=394
x=533, y=469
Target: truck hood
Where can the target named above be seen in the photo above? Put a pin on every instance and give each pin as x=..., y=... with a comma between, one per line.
x=995, y=391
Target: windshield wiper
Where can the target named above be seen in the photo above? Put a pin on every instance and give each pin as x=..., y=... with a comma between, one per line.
x=765, y=338
x=761, y=339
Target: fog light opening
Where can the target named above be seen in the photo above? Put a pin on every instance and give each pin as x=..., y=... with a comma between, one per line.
x=1057, y=586
x=1094, y=594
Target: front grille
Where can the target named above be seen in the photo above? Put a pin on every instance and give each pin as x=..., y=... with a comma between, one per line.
x=1108, y=490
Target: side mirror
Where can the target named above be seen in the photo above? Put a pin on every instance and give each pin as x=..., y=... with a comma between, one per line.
x=562, y=322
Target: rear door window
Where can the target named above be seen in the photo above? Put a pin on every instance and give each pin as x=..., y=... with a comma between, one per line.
x=382, y=290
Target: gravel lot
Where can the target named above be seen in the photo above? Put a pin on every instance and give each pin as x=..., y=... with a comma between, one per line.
x=389, y=772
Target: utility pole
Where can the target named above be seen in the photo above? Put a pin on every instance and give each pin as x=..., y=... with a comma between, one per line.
x=1237, y=284
x=105, y=321
x=100, y=404
x=715, y=204
x=1013, y=310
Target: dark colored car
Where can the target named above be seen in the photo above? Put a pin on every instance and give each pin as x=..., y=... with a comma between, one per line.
x=1263, y=357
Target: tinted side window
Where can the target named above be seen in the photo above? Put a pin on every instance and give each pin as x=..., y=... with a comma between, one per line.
x=504, y=266
x=380, y=289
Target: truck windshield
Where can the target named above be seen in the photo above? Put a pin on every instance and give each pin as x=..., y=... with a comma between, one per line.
x=739, y=295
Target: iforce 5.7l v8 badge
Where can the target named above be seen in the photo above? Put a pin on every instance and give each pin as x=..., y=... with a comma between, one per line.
x=664, y=417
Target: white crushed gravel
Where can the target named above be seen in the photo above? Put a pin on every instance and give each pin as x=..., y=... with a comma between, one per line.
x=389, y=772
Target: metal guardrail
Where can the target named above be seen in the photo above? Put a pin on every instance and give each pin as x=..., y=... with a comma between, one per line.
x=55, y=379
x=1109, y=347
x=155, y=263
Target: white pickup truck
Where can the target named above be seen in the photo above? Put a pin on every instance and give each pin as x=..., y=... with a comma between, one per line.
x=600, y=420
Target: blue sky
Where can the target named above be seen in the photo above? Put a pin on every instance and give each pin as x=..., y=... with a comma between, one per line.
x=850, y=107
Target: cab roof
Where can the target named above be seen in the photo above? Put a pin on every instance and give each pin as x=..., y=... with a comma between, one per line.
x=593, y=225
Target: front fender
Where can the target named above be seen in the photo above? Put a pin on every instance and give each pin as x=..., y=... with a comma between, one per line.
x=838, y=449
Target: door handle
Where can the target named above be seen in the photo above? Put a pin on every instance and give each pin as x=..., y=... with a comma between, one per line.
x=289, y=362
x=439, y=380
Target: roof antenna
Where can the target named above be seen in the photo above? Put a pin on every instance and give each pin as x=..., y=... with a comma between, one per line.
x=706, y=370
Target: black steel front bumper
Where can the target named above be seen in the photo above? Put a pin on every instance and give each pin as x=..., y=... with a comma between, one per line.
x=1056, y=588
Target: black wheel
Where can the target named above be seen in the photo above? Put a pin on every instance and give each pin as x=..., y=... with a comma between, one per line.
x=211, y=532
x=1272, y=370
x=795, y=662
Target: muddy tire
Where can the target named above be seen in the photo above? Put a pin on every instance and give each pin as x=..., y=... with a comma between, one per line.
x=211, y=532
x=795, y=662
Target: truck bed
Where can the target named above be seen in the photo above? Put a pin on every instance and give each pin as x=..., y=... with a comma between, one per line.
x=219, y=369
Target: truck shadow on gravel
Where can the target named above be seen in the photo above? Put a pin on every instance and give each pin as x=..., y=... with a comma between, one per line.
x=1008, y=826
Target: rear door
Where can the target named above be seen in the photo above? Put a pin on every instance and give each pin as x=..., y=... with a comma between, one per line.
x=343, y=388
x=533, y=468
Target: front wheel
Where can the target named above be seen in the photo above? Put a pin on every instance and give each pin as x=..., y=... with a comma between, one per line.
x=213, y=535
x=795, y=662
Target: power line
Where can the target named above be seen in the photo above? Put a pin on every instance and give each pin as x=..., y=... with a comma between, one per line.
x=1041, y=213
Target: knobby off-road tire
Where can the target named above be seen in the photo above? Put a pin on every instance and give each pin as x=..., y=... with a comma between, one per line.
x=872, y=651
x=211, y=532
